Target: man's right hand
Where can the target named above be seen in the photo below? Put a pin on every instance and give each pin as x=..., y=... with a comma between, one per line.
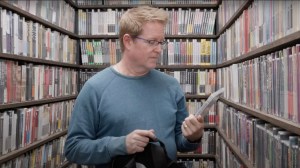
x=137, y=140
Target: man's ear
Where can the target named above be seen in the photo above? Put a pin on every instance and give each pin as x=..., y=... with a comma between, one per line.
x=127, y=41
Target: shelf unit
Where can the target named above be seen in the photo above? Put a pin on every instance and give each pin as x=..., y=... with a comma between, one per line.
x=235, y=150
x=232, y=19
x=36, y=102
x=65, y=164
x=221, y=30
x=75, y=36
x=277, y=121
x=279, y=44
x=276, y=45
x=16, y=153
x=166, y=67
x=199, y=156
x=37, y=19
x=123, y=6
x=36, y=61
x=189, y=36
x=173, y=67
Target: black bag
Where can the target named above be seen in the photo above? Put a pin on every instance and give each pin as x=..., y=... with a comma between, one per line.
x=154, y=156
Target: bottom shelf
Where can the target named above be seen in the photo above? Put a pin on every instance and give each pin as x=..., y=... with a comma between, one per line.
x=235, y=150
x=195, y=156
x=65, y=164
x=21, y=151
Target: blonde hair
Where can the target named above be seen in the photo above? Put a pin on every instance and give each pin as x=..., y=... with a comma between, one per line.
x=132, y=20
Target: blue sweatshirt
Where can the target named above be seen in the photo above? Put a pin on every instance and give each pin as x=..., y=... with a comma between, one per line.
x=111, y=105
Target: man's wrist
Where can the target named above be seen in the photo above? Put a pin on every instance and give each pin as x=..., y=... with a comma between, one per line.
x=195, y=141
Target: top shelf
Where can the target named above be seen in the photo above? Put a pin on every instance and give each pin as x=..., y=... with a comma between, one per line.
x=236, y=15
x=126, y=6
x=183, y=36
x=278, y=121
x=201, y=6
x=279, y=44
x=74, y=35
x=213, y=6
x=37, y=19
x=276, y=45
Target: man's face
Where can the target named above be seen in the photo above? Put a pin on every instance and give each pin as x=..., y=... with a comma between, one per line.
x=147, y=46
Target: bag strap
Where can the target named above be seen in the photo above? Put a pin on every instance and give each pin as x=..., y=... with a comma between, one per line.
x=159, y=155
x=124, y=161
x=165, y=160
x=155, y=157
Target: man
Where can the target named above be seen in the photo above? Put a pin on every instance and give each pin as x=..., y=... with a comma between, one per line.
x=122, y=107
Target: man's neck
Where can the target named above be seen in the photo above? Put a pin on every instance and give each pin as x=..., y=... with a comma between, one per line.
x=128, y=70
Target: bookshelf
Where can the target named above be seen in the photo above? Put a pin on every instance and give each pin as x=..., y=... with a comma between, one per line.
x=66, y=164
x=55, y=100
x=200, y=159
x=34, y=145
x=87, y=7
x=266, y=118
x=36, y=60
x=281, y=43
x=182, y=67
x=177, y=67
x=231, y=19
x=36, y=102
x=190, y=36
x=278, y=121
x=201, y=6
x=235, y=150
x=208, y=156
x=36, y=19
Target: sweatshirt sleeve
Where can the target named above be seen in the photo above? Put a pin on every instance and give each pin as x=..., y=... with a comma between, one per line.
x=82, y=145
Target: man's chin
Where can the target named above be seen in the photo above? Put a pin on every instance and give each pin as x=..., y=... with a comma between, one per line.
x=152, y=66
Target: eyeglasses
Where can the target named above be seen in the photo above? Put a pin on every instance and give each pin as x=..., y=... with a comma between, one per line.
x=154, y=43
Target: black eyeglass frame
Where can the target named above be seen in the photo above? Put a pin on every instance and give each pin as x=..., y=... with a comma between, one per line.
x=153, y=43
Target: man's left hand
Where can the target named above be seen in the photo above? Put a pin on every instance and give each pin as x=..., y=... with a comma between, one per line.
x=192, y=128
